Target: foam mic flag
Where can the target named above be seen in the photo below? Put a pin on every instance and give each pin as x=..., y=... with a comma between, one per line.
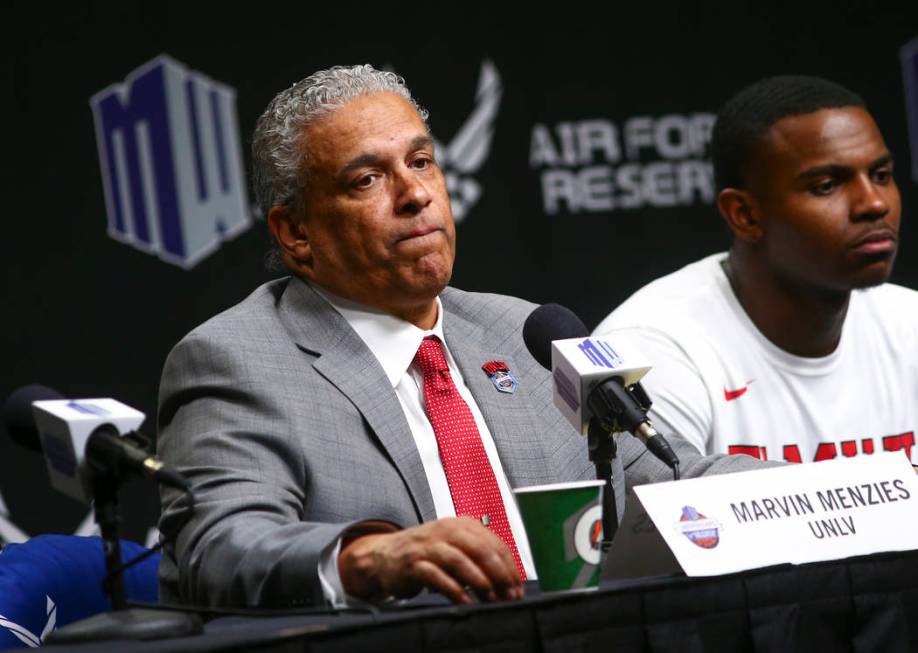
x=579, y=365
x=81, y=438
x=65, y=427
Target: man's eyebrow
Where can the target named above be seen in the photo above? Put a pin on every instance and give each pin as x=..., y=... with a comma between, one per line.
x=373, y=158
x=832, y=169
x=884, y=160
x=828, y=170
x=367, y=159
x=421, y=141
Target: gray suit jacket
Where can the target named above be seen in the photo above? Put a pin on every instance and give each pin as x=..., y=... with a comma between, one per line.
x=289, y=431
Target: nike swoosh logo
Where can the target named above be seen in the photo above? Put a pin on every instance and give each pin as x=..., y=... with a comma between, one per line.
x=730, y=395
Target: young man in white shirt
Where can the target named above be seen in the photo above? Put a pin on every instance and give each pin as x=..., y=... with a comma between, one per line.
x=791, y=346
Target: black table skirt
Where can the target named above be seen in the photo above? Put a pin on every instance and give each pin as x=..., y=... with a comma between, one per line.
x=865, y=605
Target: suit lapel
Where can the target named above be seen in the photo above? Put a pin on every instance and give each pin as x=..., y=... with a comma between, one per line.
x=509, y=417
x=346, y=362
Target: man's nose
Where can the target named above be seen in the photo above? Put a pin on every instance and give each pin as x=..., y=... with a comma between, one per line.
x=413, y=193
x=871, y=200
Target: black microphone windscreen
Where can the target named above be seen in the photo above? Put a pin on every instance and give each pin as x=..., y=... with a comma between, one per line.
x=550, y=322
x=18, y=417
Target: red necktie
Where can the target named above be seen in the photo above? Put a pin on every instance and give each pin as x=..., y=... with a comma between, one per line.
x=471, y=480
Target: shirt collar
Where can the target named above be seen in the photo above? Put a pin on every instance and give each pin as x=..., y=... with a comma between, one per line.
x=392, y=340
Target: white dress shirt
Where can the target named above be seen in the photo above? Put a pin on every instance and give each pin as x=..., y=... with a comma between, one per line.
x=395, y=342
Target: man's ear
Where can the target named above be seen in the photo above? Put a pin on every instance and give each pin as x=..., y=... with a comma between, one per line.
x=291, y=236
x=740, y=210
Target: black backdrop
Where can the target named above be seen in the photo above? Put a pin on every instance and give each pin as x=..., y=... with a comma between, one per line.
x=95, y=317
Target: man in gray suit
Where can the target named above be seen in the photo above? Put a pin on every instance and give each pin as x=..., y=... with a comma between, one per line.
x=301, y=414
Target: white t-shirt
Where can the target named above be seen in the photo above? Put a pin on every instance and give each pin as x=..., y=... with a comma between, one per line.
x=724, y=387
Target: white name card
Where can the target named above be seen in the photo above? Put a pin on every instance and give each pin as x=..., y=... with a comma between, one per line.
x=799, y=513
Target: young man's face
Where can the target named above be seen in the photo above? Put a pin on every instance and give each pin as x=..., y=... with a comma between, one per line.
x=827, y=202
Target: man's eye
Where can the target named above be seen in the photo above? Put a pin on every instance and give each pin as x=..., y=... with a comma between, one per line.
x=422, y=162
x=882, y=175
x=824, y=187
x=363, y=182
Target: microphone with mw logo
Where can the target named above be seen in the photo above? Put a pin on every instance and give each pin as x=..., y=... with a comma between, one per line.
x=594, y=377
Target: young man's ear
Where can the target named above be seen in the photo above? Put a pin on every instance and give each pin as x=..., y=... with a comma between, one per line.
x=740, y=211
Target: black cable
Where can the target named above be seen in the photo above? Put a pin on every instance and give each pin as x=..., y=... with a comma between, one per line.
x=120, y=569
x=179, y=482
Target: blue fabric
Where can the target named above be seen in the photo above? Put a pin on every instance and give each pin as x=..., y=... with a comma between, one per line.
x=53, y=580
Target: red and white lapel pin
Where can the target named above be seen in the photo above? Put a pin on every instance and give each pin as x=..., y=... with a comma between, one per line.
x=500, y=376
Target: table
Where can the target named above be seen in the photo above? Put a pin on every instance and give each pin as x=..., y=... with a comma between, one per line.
x=864, y=604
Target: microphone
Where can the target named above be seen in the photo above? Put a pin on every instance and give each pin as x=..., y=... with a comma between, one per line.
x=87, y=457
x=82, y=439
x=594, y=377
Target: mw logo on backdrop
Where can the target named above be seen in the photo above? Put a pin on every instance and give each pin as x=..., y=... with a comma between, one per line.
x=171, y=160
x=598, y=165
x=909, y=55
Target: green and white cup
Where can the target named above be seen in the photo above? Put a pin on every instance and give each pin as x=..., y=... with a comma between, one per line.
x=564, y=526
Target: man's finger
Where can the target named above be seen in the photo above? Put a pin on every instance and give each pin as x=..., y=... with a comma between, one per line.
x=489, y=553
x=456, y=562
x=436, y=579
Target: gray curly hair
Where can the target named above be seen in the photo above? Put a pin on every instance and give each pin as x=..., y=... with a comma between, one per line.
x=278, y=147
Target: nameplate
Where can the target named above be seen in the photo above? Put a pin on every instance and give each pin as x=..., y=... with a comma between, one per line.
x=794, y=514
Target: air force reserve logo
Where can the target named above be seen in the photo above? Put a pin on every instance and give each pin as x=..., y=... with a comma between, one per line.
x=700, y=530
x=171, y=162
x=469, y=148
x=909, y=54
x=26, y=636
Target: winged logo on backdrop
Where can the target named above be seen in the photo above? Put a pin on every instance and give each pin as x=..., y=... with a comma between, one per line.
x=470, y=146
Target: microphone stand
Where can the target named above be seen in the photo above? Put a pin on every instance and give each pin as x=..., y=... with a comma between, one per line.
x=105, y=507
x=122, y=622
x=601, y=446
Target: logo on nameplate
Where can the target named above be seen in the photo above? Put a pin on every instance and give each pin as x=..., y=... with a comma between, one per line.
x=700, y=530
x=500, y=376
x=171, y=162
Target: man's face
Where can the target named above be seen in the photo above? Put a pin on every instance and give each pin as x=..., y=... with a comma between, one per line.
x=827, y=202
x=377, y=214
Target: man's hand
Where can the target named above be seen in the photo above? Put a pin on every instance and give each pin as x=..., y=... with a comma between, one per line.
x=445, y=556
